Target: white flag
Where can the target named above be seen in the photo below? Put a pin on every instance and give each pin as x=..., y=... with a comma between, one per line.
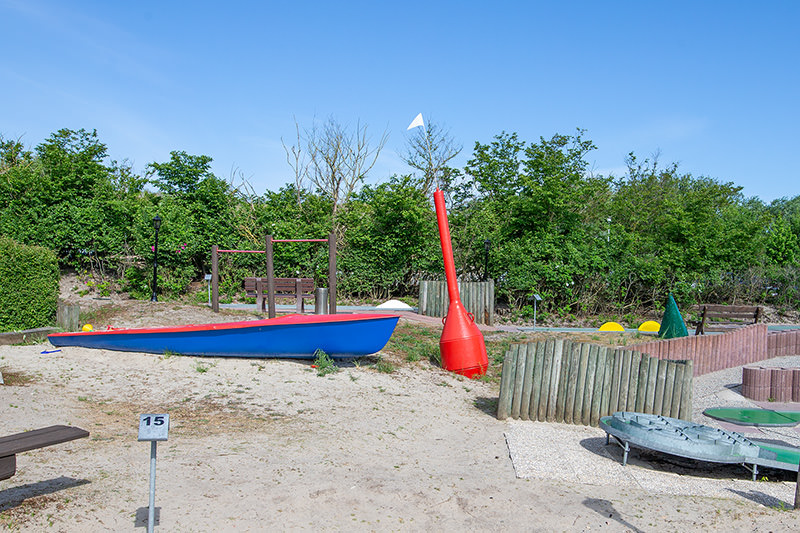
x=416, y=122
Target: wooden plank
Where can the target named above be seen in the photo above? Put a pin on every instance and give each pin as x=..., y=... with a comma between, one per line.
x=527, y=380
x=687, y=392
x=613, y=401
x=588, y=389
x=583, y=362
x=597, y=389
x=661, y=377
x=536, y=392
x=608, y=371
x=641, y=383
x=624, y=381
x=8, y=466
x=650, y=394
x=677, y=389
x=546, y=376
x=555, y=379
x=572, y=381
x=669, y=387
x=519, y=375
x=39, y=438
x=507, y=382
x=561, y=395
x=491, y=303
x=633, y=383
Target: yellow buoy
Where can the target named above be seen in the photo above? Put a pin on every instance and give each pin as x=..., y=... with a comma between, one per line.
x=651, y=326
x=611, y=326
x=87, y=327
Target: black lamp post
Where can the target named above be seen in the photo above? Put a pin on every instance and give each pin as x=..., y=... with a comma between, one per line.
x=487, y=244
x=156, y=225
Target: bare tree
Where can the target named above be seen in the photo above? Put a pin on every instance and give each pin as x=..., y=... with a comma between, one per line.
x=429, y=150
x=335, y=160
x=340, y=159
x=297, y=161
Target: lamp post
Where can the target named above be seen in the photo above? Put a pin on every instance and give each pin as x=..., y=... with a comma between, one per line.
x=487, y=244
x=536, y=300
x=156, y=225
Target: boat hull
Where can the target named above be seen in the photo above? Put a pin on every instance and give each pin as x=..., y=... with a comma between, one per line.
x=293, y=336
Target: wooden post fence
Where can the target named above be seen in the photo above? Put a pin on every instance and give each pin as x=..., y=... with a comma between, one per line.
x=477, y=297
x=577, y=383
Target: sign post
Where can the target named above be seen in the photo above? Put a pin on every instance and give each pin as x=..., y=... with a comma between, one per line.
x=153, y=428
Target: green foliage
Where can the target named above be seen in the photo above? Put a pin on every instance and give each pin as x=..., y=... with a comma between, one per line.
x=29, y=288
x=391, y=240
x=384, y=366
x=587, y=244
x=324, y=364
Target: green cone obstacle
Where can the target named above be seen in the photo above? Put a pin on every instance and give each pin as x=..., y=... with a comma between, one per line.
x=672, y=324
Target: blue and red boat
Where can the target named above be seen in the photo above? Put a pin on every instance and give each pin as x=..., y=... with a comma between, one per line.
x=291, y=336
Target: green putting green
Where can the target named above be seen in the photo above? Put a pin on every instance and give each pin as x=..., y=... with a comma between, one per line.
x=754, y=417
x=789, y=456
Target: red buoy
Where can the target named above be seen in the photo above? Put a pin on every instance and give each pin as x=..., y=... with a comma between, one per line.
x=462, y=346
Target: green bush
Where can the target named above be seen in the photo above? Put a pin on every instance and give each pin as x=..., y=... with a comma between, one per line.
x=28, y=286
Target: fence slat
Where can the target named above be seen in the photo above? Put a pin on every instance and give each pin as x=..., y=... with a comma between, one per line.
x=687, y=391
x=650, y=394
x=572, y=382
x=633, y=384
x=641, y=383
x=566, y=353
x=588, y=389
x=608, y=377
x=669, y=387
x=527, y=383
x=546, y=376
x=613, y=402
x=597, y=389
x=661, y=377
x=536, y=392
x=507, y=382
x=677, y=389
x=519, y=375
x=555, y=379
x=624, y=380
x=577, y=412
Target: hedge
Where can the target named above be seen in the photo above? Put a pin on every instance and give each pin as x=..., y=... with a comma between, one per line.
x=28, y=286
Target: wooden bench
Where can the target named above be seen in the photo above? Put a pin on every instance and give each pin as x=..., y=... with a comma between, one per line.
x=11, y=445
x=297, y=288
x=725, y=317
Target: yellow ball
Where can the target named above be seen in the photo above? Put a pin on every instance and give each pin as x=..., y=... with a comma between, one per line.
x=87, y=327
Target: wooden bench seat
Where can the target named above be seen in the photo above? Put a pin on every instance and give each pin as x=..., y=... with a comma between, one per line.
x=297, y=288
x=31, y=440
x=715, y=318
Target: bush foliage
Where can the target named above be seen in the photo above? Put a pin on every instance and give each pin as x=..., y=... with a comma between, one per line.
x=28, y=286
x=588, y=244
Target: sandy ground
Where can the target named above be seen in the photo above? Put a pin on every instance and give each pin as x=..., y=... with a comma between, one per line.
x=260, y=445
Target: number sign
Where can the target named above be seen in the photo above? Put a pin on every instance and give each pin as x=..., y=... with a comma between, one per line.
x=153, y=427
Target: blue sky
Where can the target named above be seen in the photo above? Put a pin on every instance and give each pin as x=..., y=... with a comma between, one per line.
x=710, y=85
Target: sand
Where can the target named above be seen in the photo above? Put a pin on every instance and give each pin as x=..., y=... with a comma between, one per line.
x=261, y=445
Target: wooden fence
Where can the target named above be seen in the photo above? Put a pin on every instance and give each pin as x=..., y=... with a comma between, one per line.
x=577, y=383
x=782, y=343
x=714, y=352
x=477, y=297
